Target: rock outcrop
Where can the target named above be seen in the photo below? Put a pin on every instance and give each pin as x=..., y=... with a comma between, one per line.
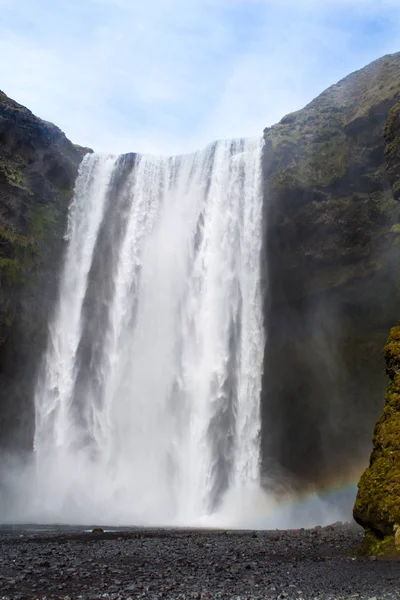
x=377, y=506
x=332, y=270
x=392, y=151
x=38, y=167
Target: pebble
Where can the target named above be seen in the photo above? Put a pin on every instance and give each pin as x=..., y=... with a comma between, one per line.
x=316, y=564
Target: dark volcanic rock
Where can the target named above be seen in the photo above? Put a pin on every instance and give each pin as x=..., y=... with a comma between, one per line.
x=318, y=564
x=38, y=167
x=332, y=268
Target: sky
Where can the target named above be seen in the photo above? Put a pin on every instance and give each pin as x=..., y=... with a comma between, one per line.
x=170, y=76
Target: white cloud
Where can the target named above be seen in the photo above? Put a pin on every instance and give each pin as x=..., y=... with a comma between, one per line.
x=169, y=75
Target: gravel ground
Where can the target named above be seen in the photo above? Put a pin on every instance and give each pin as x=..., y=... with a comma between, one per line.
x=301, y=564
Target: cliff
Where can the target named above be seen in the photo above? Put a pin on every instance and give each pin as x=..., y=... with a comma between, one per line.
x=38, y=167
x=377, y=506
x=332, y=271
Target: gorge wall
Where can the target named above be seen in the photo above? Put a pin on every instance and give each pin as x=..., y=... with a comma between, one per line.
x=332, y=258
x=38, y=167
x=377, y=503
x=331, y=264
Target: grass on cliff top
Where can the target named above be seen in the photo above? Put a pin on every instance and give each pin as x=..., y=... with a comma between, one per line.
x=351, y=98
x=7, y=102
x=382, y=84
x=355, y=95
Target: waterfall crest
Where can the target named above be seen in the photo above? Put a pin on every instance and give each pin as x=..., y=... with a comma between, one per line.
x=148, y=401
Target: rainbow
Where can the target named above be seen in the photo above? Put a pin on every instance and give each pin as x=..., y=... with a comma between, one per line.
x=309, y=509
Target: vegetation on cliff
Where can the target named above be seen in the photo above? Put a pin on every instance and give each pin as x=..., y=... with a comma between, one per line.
x=38, y=167
x=332, y=266
x=392, y=136
x=377, y=506
x=326, y=175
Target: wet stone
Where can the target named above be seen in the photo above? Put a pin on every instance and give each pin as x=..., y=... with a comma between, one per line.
x=283, y=565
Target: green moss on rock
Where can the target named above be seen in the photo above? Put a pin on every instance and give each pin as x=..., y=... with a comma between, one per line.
x=392, y=150
x=332, y=267
x=38, y=167
x=377, y=546
x=12, y=176
x=377, y=506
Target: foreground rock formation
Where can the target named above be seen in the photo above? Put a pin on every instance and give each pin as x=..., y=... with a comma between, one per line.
x=332, y=262
x=377, y=506
x=38, y=167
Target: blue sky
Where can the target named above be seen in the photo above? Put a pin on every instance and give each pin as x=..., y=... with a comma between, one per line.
x=167, y=76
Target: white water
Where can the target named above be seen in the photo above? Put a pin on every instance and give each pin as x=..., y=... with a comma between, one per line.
x=148, y=405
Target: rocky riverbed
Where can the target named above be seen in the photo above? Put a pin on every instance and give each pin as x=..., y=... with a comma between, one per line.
x=71, y=564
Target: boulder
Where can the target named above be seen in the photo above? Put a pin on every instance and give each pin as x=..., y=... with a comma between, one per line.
x=377, y=506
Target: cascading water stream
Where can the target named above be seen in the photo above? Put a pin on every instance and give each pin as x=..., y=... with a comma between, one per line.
x=148, y=402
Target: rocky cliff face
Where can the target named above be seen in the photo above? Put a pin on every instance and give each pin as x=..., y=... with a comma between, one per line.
x=38, y=167
x=332, y=263
x=392, y=150
x=377, y=506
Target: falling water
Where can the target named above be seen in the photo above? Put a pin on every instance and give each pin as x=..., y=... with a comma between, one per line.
x=147, y=406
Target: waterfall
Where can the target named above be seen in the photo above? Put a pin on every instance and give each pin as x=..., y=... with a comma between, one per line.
x=148, y=400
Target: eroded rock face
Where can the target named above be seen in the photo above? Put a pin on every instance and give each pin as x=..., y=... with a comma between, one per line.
x=392, y=151
x=332, y=270
x=38, y=167
x=377, y=506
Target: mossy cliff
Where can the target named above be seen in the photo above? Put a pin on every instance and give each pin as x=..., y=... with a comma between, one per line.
x=38, y=167
x=392, y=136
x=377, y=506
x=332, y=271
